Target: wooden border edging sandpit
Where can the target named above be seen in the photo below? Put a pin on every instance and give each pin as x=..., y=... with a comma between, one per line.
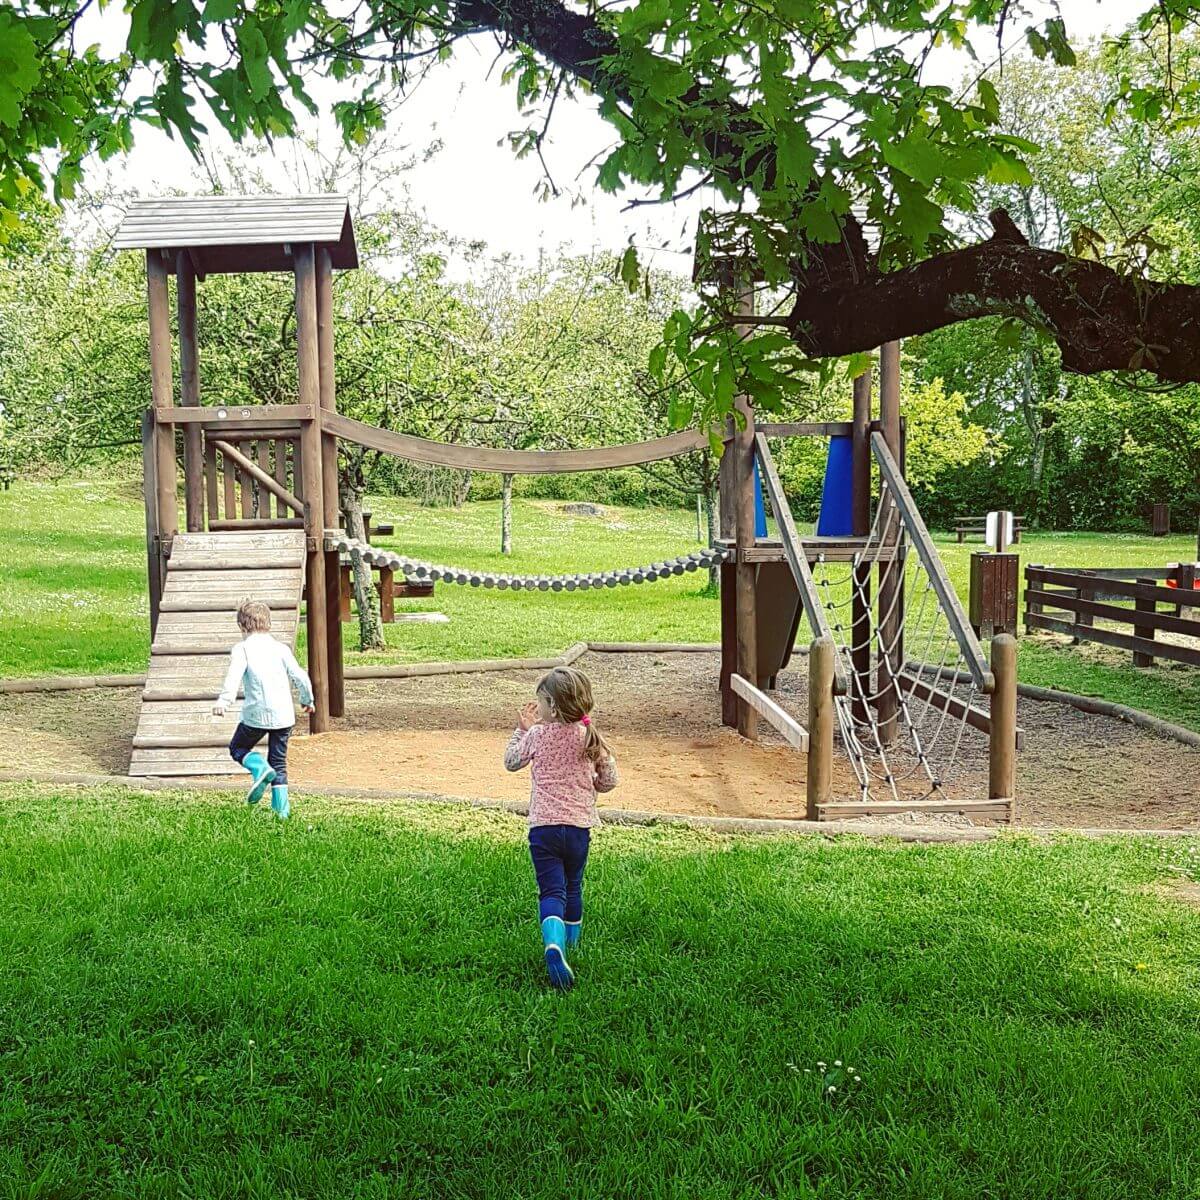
x=617, y=816
x=1088, y=704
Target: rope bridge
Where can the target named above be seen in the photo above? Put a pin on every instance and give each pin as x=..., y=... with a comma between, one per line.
x=413, y=568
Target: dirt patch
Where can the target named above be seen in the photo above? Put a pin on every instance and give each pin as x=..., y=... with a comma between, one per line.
x=1180, y=891
x=446, y=734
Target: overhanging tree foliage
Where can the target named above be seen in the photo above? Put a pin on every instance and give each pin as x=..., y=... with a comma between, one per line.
x=812, y=119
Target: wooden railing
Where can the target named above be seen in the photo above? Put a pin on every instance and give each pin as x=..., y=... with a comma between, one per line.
x=252, y=481
x=1080, y=598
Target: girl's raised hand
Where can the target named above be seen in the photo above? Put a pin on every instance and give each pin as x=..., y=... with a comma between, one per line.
x=528, y=717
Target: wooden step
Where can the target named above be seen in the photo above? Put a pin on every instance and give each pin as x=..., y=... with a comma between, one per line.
x=209, y=575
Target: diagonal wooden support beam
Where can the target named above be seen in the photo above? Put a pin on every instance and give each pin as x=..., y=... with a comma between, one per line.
x=256, y=472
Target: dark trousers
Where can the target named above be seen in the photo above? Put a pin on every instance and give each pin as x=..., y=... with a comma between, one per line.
x=246, y=737
x=559, y=855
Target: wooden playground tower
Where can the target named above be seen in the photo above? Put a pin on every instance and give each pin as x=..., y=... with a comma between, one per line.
x=240, y=462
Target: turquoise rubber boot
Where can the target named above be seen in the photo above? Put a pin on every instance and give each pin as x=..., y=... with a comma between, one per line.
x=574, y=932
x=262, y=774
x=279, y=801
x=554, y=938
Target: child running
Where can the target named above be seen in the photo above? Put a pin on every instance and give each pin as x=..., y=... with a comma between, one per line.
x=571, y=763
x=263, y=667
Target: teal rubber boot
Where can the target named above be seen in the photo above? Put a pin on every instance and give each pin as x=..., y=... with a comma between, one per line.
x=262, y=774
x=554, y=939
x=574, y=932
x=279, y=801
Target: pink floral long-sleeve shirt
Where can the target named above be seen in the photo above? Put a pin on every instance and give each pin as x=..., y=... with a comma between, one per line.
x=565, y=782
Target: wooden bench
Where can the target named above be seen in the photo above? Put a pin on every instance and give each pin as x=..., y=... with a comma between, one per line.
x=971, y=525
x=390, y=590
x=384, y=529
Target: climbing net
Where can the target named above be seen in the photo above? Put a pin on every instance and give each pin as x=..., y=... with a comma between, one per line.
x=909, y=704
x=413, y=568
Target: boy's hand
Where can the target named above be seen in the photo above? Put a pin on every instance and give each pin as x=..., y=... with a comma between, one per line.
x=218, y=710
x=308, y=708
x=528, y=717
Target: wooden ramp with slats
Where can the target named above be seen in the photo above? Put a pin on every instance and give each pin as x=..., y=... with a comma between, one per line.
x=208, y=576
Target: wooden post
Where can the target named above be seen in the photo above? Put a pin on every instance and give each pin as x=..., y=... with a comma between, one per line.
x=891, y=575
x=821, y=720
x=1141, y=659
x=308, y=360
x=189, y=391
x=150, y=499
x=1002, y=749
x=729, y=699
x=860, y=515
x=329, y=484
x=747, y=574
x=387, y=595
x=344, y=589
x=161, y=391
x=727, y=531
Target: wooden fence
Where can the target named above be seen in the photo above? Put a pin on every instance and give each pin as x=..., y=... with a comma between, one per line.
x=1081, y=598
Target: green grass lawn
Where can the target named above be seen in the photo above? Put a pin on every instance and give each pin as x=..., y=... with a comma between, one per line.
x=196, y=1001
x=72, y=591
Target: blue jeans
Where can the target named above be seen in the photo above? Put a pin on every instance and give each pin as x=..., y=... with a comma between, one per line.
x=559, y=855
x=246, y=737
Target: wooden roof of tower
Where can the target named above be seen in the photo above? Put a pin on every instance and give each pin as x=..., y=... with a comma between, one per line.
x=240, y=233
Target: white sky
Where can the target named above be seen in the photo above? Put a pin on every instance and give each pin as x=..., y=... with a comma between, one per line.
x=475, y=188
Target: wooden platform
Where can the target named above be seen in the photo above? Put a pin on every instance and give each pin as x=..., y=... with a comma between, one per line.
x=208, y=577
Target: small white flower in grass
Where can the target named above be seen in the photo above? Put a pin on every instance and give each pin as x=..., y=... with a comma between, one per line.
x=251, y=1042
x=858, y=1079
x=831, y=1088
x=1117, y=922
x=837, y=1062
x=821, y=1065
x=380, y=1079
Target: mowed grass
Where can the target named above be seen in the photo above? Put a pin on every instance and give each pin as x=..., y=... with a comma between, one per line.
x=73, y=600
x=199, y=1002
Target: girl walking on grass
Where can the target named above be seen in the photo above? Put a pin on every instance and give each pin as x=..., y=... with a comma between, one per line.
x=571, y=763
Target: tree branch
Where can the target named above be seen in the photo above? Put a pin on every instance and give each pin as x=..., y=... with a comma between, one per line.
x=1102, y=321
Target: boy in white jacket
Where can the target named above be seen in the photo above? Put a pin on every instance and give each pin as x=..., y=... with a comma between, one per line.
x=265, y=670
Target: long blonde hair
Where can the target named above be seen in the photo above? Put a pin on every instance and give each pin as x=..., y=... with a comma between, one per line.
x=569, y=693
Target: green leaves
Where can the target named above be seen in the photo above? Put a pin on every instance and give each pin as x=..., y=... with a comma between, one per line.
x=19, y=72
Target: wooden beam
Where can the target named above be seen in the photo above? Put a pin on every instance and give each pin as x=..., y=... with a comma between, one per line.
x=265, y=480
x=890, y=621
x=514, y=462
x=782, y=722
x=818, y=429
x=159, y=305
x=997, y=810
x=822, y=659
x=329, y=481
x=1002, y=756
x=189, y=392
x=309, y=372
x=154, y=557
x=860, y=525
x=245, y=417
x=746, y=576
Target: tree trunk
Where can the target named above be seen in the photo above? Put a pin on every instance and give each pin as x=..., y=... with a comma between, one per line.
x=370, y=626
x=506, y=484
x=462, y=488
